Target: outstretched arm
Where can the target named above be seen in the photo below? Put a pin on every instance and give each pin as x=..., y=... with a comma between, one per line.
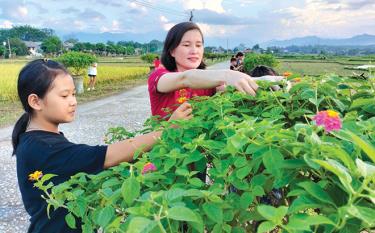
x=123, y=151
x=202, y=79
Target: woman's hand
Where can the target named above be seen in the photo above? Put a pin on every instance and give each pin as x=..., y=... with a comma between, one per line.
x=242, y=82
x=183, y=112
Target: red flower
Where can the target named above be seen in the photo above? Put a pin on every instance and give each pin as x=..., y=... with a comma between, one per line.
x=148, y=167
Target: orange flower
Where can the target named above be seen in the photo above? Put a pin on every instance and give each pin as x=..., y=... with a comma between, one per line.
x=287, y=74
x=181, y=99
x=182, y=93
x=35, y=176
x=297, y=80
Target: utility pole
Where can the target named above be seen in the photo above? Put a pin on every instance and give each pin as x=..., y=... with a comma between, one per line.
x=191, y=16
x=5, y=48
x=10, y=51
x=227, y=45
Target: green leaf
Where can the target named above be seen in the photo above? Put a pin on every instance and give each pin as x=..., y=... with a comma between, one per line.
x=46, y=177
x=174, y=194
x=338, y=152
x=272, y=160
x=273, y=214
x=302, y=222
x=240, y=162
x=196, y=182
x=357, y=103
x=245, y=200
x=182, y=172
x=365, y=146
x=130, y=190
x=213, y=212
x=339, y=170
x=365, y=169
x=317, y=192
x=303, y=203
x=105, y=216
x=364, y=213
x=266, y=226
x=139, y=225
x=70, y=220
x=243, y=172
x=181, y=213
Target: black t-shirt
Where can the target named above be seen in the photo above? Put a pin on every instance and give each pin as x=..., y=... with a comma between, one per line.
x=52, y=153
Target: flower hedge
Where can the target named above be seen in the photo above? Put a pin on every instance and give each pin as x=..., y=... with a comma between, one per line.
x=301, y=160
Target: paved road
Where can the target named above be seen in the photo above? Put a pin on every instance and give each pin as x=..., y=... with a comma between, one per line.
x=129, y=109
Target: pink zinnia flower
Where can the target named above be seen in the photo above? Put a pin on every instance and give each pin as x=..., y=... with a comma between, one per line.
x=148, y=167
x=329, y=119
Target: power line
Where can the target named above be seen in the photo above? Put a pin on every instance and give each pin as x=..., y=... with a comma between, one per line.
x=158, y=8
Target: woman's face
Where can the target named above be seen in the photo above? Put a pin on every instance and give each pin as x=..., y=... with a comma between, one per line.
x=189, y=53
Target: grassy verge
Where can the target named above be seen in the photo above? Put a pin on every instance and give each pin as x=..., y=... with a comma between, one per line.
x=11, y=111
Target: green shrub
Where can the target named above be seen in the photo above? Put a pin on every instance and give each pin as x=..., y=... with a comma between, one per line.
x=252, y=60
x=77, y=62
x=149, y=57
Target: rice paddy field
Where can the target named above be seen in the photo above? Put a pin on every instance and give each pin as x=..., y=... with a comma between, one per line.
x=343, y=66
x=108, y=73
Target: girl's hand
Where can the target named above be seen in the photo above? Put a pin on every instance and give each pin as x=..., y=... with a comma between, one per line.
x=242, y=82
x=182, y=112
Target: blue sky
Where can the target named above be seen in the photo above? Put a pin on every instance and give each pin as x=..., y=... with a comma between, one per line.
x=247, y=21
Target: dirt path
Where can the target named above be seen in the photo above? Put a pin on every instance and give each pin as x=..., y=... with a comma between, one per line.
x=129, y=109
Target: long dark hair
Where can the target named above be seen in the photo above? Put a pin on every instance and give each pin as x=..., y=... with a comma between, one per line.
x=262, y=70
x=171, y=42
x=35, y=78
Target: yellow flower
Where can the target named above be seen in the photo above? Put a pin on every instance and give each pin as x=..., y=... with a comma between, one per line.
x=332, y=113
x=297, y=80
x=35, y=176
x=181, y=100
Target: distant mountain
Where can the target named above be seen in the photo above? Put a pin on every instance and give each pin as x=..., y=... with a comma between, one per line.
x=360, y=40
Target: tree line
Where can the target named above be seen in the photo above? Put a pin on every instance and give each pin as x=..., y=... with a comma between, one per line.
x=52, y=45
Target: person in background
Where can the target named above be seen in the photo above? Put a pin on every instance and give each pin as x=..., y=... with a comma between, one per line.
x=92, y=76
x=240, y=66
x=156, y=62
x=262, y=72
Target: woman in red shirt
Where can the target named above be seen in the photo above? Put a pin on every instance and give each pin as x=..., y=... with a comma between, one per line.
x=183, y=75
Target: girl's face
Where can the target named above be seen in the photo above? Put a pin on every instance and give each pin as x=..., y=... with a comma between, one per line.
x=59, y=104
x=189, y=53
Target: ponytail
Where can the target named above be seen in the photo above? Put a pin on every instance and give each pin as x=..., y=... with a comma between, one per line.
x=19, y=128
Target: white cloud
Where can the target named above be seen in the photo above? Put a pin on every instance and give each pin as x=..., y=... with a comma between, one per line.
x=115, y=25
x=163, y=19
x=6, y=24
x=79, y=24
x=167, y=26
x=213, y=5
x=323, y=18
x=136, y=8
x=220, y=30
x=22, y=11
